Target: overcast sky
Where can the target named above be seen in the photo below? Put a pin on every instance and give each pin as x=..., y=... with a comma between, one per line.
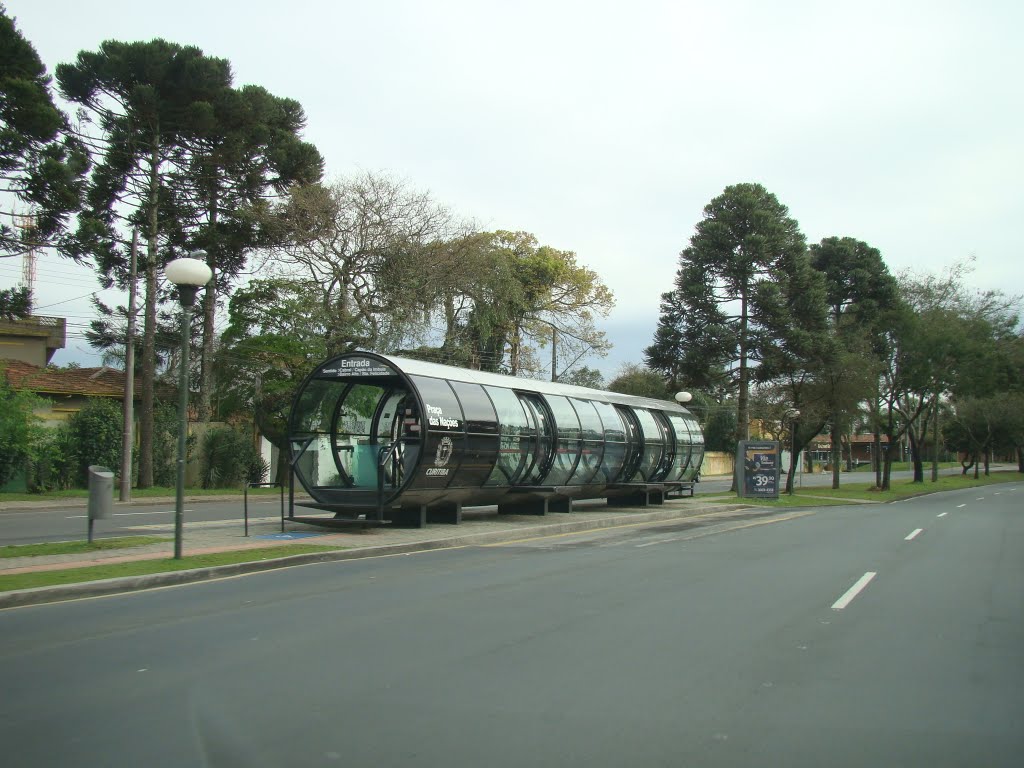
x=604, y=128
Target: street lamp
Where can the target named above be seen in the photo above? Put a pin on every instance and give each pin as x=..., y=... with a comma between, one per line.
x=683, y=397
x=189, y=274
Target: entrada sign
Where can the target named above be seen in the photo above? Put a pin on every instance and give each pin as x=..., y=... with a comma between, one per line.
x=356, y=367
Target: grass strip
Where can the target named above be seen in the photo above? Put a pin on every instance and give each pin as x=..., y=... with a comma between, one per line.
x=142, y=567
x=901, y=489
x=796, y=500
x=78, y=547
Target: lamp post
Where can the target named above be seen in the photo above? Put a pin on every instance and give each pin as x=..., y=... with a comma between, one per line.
x=189, y=275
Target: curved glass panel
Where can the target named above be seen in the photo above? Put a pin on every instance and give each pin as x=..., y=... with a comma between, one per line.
x=634, y=446
x=592, y=451
x=668, y=455
x=516, y=442
x=614, y=443
x=543, y=452
x=697, y=450
x=567, y=444
x=684, y=447
x=481, y=451
x=653, y=444
x=476, y=407
x=315, y=406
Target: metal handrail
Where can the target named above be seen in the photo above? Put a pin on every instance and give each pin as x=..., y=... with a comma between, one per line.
x=385, y=454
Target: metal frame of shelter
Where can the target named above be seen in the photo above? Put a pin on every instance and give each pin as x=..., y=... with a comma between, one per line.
x=377, y=439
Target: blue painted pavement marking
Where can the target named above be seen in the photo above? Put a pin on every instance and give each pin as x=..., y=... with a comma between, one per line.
x=291, y=535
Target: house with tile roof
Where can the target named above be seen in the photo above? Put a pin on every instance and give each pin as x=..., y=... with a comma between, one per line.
x=63, y=391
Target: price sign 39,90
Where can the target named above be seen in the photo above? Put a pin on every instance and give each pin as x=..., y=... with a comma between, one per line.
x=757, y=467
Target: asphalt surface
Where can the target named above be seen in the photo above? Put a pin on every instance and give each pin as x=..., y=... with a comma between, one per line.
x=726, y=643
x=67, y=521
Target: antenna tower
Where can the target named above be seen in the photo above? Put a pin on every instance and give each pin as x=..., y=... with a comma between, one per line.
x=28, y=261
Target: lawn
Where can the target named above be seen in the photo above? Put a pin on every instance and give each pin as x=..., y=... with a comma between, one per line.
x=901, y=489
x=142, y=567
x=78, y=547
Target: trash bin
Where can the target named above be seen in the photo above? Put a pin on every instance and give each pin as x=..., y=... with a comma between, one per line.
x=101, y=493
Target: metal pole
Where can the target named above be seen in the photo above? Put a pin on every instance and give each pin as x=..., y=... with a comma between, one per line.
x=179, y=503
x=554, y=352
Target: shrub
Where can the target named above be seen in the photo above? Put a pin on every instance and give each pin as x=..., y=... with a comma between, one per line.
x=54, y=460
x=229, y=459
x=19, y=428
x=96, y=432
x=165, y=445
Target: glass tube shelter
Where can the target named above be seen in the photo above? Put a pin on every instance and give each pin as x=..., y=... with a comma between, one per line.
x=387, y=438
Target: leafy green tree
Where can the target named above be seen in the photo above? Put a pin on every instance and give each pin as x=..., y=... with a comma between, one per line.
x=356, y=248
x=948, y=339
x=53, y=464
x=15, y=303
x=634, y=379
x=42, y=164
x=505, y=297
x=239, y=146
x=142, y=99
x=277, y=332
x=583, y=377
x=717, y=421
x=861, y=296
x=229, y=459
x=737, y=280
x=96, y=433
x=19, y=428
x=165, y=444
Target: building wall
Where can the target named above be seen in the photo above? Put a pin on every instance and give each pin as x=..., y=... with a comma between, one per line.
x=32, y=340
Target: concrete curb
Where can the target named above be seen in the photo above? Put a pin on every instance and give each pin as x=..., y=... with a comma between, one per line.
x=100, y=588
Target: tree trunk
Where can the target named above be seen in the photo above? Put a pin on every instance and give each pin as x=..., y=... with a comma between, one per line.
x=148, y=378
x=128, y=426
x=743, y=395
x=915, y=455
x=203, y=405
x=794, y=452
x=876, y=450
x=742, y=406
x=887, y=469
x=836, y=457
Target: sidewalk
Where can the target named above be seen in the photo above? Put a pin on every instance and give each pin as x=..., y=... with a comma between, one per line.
x=478, y=527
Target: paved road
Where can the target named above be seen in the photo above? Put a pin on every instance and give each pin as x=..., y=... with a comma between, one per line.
x=30, y=526
x=70, y=524
x=665, y=644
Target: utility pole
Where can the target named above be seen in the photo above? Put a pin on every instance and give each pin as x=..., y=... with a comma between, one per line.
x=554, y=352
x=127, y=443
